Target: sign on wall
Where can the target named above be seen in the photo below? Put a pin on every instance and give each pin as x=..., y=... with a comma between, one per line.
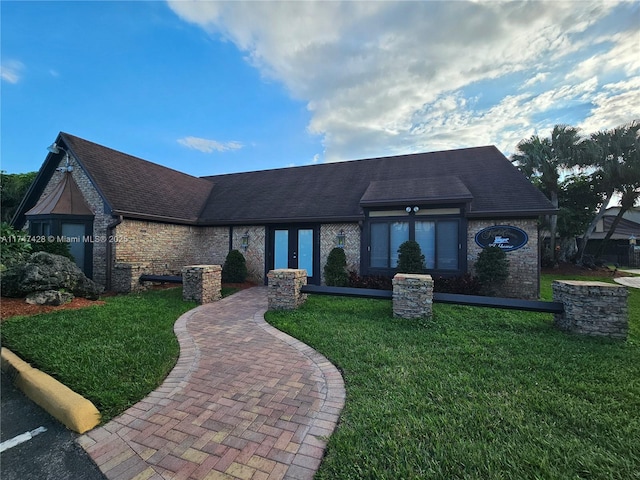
x=506, y=237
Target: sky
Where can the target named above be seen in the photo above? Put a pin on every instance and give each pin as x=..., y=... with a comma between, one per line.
x=210, y=88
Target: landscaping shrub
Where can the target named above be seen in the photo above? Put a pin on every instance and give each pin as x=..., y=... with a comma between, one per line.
x=234, y=269
x=492, y=268
x=464, y=285
x=57, y=248
x=377, y=282
x=410, y=258
x=335, y=271
x=14, y=246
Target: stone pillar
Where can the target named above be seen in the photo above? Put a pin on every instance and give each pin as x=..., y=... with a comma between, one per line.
x=284, y=288
x=125, y=277
x=592, y=308
x=412, y=295
x=202, y=283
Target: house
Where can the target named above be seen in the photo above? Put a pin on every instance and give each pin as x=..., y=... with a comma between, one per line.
x=115, y=208
x=622, y=246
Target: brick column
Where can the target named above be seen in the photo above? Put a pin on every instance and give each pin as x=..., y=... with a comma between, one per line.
x=592, y=308
x=284, y=288
x=412, y=295
x=125, y=277
x=202, y=283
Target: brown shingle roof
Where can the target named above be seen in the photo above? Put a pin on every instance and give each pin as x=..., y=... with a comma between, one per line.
x=136, y=187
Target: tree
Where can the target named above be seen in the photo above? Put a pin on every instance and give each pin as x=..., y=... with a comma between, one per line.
x=545, y=159
x=615, y=156
x=492, y=268
x=13, y=187
x=630, y=195
x=234, y=269
x=410, y=258
x=335, y=271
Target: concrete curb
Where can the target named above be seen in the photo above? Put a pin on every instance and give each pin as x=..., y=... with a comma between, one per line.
x=73, y=410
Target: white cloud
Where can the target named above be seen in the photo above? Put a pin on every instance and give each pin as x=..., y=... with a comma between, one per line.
x=390, y=77
x=208, y=146
x=11, y=71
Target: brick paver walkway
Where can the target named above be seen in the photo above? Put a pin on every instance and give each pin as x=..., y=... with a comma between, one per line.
x=245, y=401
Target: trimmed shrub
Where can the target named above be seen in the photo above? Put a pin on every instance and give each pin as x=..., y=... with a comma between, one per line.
x=410, y=258
x=335, y=271
x=492, y=268
x=57, y=248
x=234, y=269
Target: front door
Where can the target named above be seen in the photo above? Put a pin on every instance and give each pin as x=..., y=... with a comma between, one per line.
x=295, y=247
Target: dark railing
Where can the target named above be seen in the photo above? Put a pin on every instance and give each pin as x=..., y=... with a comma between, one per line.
x=454, y=298
x=161, y=278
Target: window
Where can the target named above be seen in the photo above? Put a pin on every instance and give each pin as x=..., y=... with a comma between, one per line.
x=439, y=240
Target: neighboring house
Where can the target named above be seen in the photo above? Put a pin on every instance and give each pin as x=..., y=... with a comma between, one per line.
x=122, y=209
x=618, y=248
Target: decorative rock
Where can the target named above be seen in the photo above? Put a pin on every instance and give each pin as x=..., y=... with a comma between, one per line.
x=45, y=271
x=49, y=297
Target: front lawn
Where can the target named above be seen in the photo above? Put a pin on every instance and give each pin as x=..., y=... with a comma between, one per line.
x=474, y=393
x=114, y=354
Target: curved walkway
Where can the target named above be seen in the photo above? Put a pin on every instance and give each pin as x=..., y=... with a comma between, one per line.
x=244, y=401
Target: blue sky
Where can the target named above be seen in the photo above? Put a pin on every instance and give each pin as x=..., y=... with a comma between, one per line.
x=219, y=87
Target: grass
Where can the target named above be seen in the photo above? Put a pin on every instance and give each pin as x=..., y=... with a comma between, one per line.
x=474, y=393
x=114, y=355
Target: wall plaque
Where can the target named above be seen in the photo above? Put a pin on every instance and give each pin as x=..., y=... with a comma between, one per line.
x=506, y=237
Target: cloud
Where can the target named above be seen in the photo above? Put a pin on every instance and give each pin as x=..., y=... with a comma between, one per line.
x=11, y=71
x=394, y=77
x=208, y=146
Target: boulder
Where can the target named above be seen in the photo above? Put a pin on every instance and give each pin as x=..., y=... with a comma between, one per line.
x=45, y=271
x=49, y=297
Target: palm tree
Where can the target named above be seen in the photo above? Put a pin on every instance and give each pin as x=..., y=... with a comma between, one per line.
x=615, y=154
x=545, y=159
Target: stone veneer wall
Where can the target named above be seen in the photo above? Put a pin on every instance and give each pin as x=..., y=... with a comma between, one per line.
x=165, y=248
x=254, y=254
x=328, y=241
x=524, y=263
x=592, y=308
x=202, y=283
x=100, y=221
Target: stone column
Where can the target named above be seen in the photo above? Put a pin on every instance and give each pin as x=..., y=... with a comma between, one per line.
x=284, y=288
x=125, y=277
x=202, y=283
x=592, y=308
x=412, y=295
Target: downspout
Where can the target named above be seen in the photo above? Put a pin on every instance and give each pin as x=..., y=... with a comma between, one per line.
x=110, y=245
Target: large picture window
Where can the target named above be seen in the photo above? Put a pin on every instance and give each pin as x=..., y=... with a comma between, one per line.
x=439, y=240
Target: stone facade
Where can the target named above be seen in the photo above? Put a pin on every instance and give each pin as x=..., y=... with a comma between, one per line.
x=412, y=296
x=284, y=288
x=524, y=263
x=255, y=252
x=328, y=241
x=202, y=283
x=592, y=308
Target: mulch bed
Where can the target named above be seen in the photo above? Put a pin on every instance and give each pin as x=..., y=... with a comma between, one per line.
x=11, y=307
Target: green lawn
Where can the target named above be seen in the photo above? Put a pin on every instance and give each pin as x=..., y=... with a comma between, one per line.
x=114, y=355
x=474, y=393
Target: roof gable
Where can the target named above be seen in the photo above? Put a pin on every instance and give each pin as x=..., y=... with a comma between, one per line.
x=65, y=199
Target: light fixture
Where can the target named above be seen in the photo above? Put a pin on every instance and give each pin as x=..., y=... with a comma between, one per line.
x=415, y=209
x=55, y=149
x=245, y=241
x=632, y=240
x=341, y=239
x=408, y=209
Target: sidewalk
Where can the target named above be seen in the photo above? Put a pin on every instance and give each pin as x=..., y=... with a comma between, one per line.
x=245, y=401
